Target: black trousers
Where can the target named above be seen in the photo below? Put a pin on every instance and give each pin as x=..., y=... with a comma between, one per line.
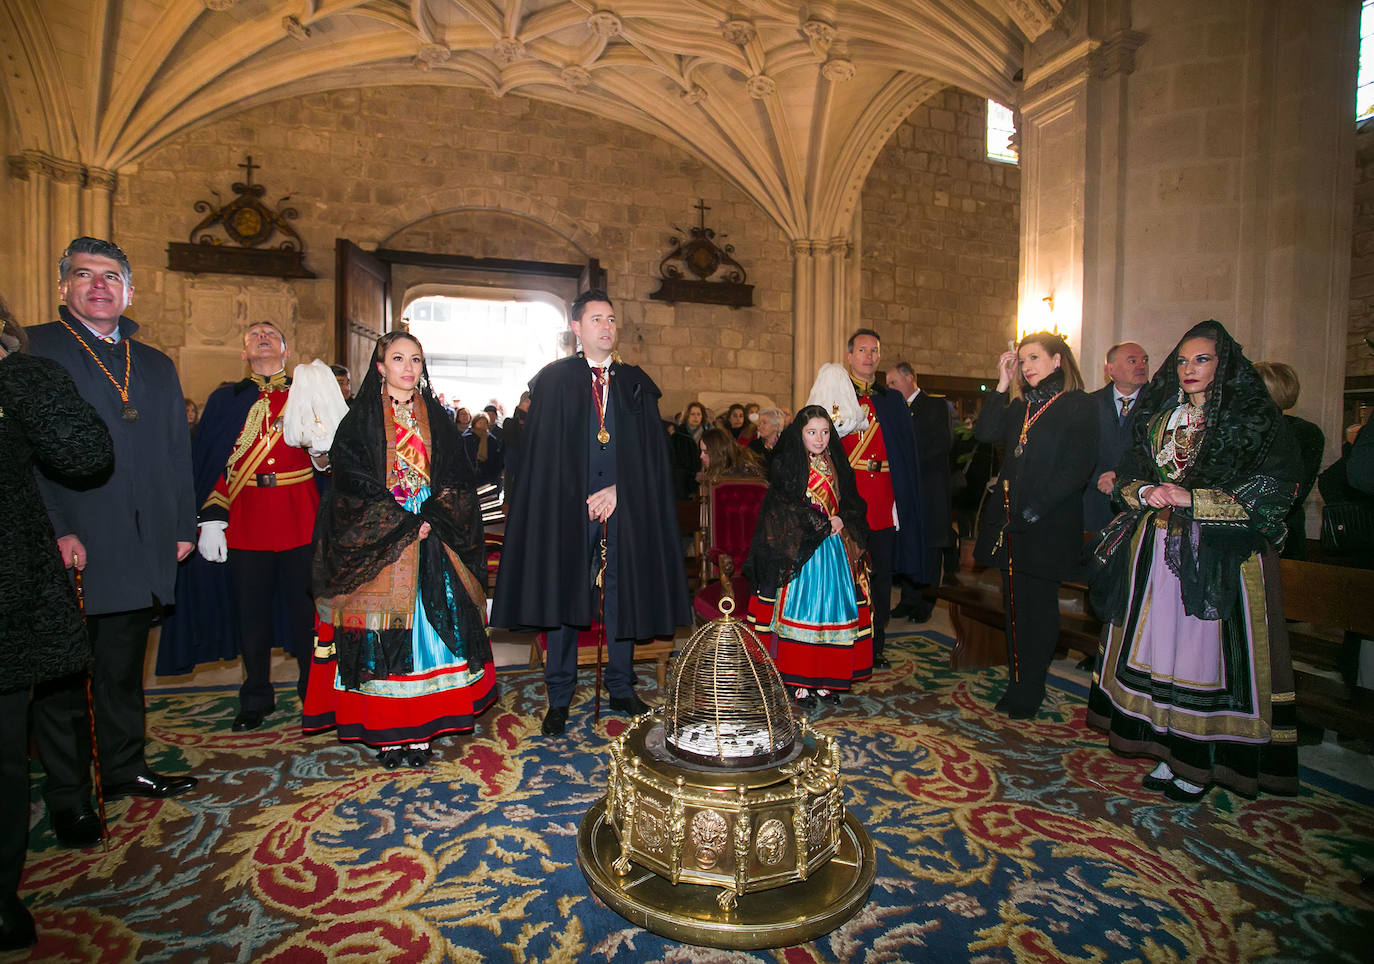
x=1032, y=626
x=911, y=589
x=255, y=577
x=61, y=725
x=14, y=788
x=882, y=543
x=560, y=658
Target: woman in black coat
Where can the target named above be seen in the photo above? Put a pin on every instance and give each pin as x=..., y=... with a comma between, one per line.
x=42, y=419
x=1032, y=521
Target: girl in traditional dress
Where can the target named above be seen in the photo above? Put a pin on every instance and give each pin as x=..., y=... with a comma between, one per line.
x=1031, y=526
x=1194, y=666
x=807, y=565
x=400, y=571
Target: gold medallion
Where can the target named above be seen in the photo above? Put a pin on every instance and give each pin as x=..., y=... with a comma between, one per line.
x=603, y=436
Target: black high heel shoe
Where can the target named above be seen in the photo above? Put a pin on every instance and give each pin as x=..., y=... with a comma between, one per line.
x=418, y=757
x=391, y=759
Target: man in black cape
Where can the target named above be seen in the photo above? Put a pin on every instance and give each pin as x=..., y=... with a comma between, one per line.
x=594, y=463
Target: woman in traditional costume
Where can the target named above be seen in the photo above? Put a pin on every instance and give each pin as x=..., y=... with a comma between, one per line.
x=1031, y=525
x=1194, y=665
x=807, y=565
x=400, y=571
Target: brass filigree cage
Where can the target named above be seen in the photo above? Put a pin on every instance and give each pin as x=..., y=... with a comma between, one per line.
x=726, y=705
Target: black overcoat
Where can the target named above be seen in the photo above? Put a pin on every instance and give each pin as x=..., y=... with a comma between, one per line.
x=1045, y=485
x=42, y=419
x=131, y=523
x=543, y=581
x=932, y=418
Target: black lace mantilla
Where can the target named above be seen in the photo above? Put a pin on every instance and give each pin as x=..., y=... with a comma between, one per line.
x=790, y=528
x=1246, y=452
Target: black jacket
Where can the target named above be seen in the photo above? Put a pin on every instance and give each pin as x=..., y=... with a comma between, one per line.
x=130, y=523
x=44, y=420
x=1113, y=438
x=1045, y=486
x=544, y=581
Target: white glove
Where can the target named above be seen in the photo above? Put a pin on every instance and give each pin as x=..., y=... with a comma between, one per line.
x=213, y=546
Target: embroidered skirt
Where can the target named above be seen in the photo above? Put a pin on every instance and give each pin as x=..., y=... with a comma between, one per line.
x=1211, y=698
x=819, y=629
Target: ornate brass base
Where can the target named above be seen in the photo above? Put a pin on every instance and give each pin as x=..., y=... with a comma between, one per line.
x=691, y=913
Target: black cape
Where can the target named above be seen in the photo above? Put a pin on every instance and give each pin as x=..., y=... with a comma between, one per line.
x=543, y=581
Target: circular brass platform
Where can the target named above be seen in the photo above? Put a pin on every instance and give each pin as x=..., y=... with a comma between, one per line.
x=690, y=913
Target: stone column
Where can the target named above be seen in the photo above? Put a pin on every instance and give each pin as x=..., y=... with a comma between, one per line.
x=822, y=306
x=1071, y=136
x=1184, y=161
x=62, y=200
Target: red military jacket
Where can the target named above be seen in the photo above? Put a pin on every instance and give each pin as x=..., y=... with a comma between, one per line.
x=868, y=457
x=267, y=491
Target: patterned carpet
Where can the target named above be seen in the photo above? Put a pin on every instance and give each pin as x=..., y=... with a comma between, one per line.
x=996, y=841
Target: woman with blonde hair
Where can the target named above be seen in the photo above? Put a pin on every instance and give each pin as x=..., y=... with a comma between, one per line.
x=1032, y=519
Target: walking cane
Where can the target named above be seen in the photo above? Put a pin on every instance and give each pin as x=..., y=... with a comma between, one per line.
x=601, y=622
x=90, y=715
x=1011, y=585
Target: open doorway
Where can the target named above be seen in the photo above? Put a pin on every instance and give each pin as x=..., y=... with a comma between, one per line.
x=484, y=350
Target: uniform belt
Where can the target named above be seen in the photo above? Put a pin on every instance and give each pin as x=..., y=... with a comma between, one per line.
x=270, y=480
x=873, y=465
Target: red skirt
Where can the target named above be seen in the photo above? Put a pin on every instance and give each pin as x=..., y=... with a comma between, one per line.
x=815, y=665
x=431, y=706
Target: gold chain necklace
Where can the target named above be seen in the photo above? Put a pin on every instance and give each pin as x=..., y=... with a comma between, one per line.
x=128, y=412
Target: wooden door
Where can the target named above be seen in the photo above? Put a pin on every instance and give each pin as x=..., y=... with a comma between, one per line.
x=362, y=305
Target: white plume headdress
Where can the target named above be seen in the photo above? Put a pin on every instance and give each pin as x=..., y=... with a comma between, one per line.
x=314, y=408
x=834, y=391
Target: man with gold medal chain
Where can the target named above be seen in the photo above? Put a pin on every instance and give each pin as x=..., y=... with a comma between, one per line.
x=595, y=465
x=127, y=535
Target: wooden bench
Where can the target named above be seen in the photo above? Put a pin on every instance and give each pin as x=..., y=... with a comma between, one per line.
x=979, y=621
x=1333, y=607
x=659, y=651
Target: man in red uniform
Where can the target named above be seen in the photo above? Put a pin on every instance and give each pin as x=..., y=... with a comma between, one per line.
x=883, y=456
x=260, y=516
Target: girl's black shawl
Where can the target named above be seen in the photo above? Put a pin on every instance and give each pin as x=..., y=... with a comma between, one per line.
x=362, y=529
x=1246, y=451
x=790, y=528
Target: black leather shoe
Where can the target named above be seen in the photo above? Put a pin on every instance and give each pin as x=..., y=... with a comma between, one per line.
x=881, y=662
x=16, y=925
x=1179, y=795
x=78, y=829
x=831, y=698
x=555, y=721
x=249, y=720
x=391, y=759
x=921, y=615
x=1088, y=663
x=1157, y=784
x=631, y=704
x=807, y=703
x=150, y=784
x=902, y=610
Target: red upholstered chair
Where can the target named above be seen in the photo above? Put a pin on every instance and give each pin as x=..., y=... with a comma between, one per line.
x=729, y=513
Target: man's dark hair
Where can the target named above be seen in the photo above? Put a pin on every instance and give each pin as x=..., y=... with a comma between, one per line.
x=905, y=368
x=849, y=345
x=342, y=371
x=490, y=409
x=585, y=298
x=99, y=247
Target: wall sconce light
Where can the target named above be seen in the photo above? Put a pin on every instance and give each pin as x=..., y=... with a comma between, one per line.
x=1049, y=302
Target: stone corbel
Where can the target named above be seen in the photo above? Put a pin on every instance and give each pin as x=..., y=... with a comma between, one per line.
x=1117, y=54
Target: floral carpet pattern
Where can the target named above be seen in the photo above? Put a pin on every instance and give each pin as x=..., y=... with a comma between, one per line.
x=995, y=840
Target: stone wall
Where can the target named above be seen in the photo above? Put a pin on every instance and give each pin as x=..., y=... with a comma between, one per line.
x=940, y=241
x=1359, y=360
x=373, y=165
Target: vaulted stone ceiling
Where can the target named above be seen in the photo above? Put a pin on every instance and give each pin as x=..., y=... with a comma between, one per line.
x=792, y=101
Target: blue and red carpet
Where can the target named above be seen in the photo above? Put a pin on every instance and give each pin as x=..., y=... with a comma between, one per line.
x=996, y=841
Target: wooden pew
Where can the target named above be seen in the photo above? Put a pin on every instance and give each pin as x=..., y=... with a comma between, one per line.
x=1333, y=606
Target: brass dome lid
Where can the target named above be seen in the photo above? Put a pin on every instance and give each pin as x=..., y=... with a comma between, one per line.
x=726, y=705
